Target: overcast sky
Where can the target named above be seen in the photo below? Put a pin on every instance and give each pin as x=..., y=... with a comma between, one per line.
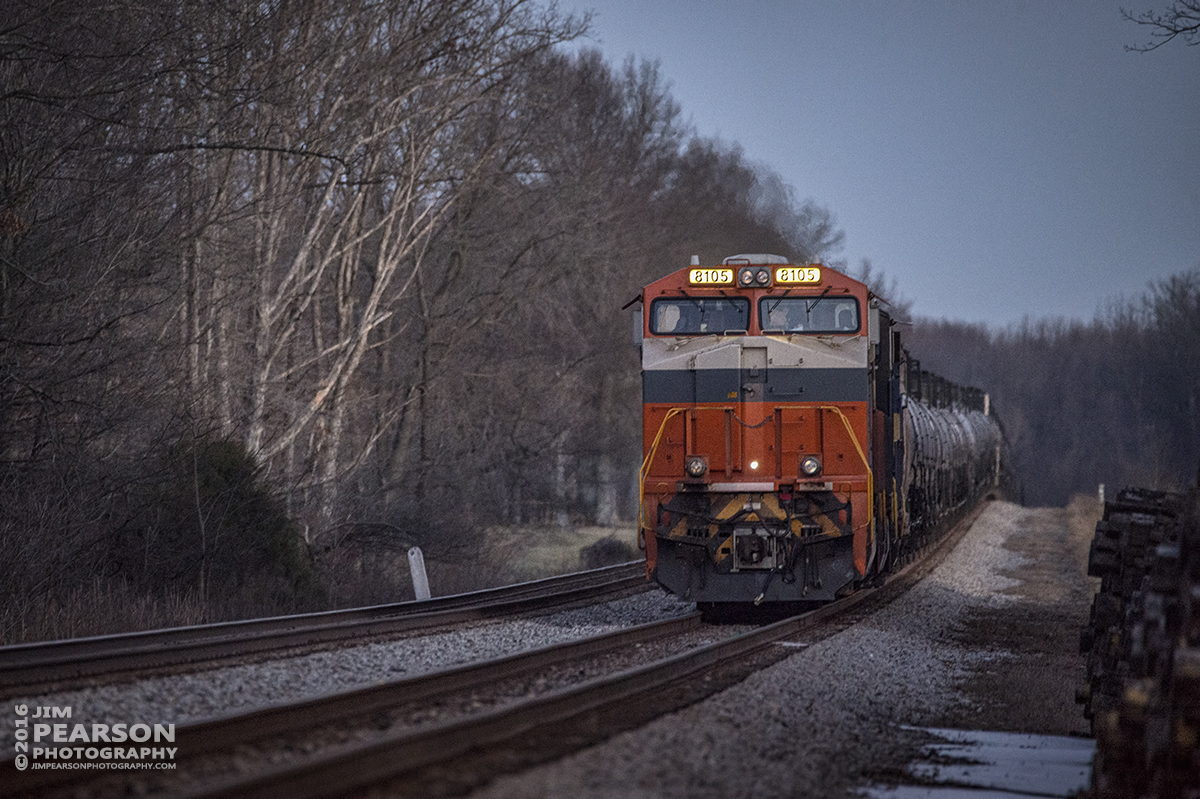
x=999, y=159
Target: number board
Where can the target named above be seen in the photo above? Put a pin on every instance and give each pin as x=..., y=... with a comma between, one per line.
x=798, y=274
x=710, y=277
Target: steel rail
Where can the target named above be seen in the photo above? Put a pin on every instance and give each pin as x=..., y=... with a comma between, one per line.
x=406, y=753
x=226, y=733
x=39, y=667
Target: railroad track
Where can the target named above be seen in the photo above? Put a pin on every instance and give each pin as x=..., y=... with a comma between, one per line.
x=453, y=755
x=38, y=668
x=285, y=726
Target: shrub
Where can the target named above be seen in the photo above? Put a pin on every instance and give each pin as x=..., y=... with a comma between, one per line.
x=607, y=551
x=213, y=525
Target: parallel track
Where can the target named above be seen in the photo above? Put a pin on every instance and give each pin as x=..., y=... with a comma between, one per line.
x=33, y=669
x=320, y=713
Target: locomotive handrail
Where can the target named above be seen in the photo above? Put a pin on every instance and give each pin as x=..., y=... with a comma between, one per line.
x=645, y=471
x=866, y=464
x=895, y=507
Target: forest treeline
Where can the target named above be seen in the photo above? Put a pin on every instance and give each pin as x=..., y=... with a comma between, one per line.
x=288, y=287
x=1115, y=400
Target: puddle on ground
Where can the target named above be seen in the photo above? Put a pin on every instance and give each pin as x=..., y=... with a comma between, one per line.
x=973, y=764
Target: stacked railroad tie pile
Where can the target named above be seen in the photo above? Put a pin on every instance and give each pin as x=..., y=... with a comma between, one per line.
x=1142, y=690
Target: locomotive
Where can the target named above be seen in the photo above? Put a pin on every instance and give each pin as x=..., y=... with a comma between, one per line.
x=793, y=451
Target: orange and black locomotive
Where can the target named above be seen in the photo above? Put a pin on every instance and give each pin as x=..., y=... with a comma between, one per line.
x=788, y=453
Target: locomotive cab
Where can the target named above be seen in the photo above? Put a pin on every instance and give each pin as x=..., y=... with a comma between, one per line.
x=771, y=406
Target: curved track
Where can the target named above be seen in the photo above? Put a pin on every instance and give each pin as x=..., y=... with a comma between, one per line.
x=469, y=751
x=32, y=669
x=318, y=715
x=455, y=754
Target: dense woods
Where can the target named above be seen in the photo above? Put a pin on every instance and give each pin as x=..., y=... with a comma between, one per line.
x=288, y=287
x=1115, y=400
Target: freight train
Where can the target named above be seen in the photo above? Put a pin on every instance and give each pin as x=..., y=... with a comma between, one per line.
x=793, y=451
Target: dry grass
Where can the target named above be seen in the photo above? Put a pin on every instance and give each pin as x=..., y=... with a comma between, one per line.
x=1083, y=511
x=529, y=553
x=107, y=607
x=506, y=555
x=97, y=608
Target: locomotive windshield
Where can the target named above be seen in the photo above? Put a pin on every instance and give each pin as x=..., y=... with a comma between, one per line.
x=698, y=316
x=817, y=314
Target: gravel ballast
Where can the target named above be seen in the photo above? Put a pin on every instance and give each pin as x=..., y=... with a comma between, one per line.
x=180, y=699
x=956, y=650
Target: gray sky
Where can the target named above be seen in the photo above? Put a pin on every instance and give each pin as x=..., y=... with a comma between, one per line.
x=999, y=159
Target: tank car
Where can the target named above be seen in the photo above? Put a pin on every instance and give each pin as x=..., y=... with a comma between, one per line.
x=792, y=450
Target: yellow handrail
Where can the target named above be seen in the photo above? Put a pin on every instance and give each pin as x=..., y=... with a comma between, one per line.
x=644, y=472
x=895, y=508
x=866, y=464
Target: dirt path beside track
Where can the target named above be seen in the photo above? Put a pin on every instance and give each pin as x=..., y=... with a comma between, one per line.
x=1031, y=665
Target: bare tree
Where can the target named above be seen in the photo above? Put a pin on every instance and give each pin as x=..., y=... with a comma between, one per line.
x=341, y=170
x=1182, y=18
x=885, y=287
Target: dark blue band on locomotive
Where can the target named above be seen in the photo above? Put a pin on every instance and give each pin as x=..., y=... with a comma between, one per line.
x=779, y=384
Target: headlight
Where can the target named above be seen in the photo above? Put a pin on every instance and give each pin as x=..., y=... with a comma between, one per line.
x=811, y=466
x=696, y=466
x=754, y=276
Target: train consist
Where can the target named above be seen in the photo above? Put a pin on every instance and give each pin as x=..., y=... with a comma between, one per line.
x=792, y=448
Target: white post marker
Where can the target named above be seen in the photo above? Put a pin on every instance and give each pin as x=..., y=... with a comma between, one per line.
x=416, y=564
